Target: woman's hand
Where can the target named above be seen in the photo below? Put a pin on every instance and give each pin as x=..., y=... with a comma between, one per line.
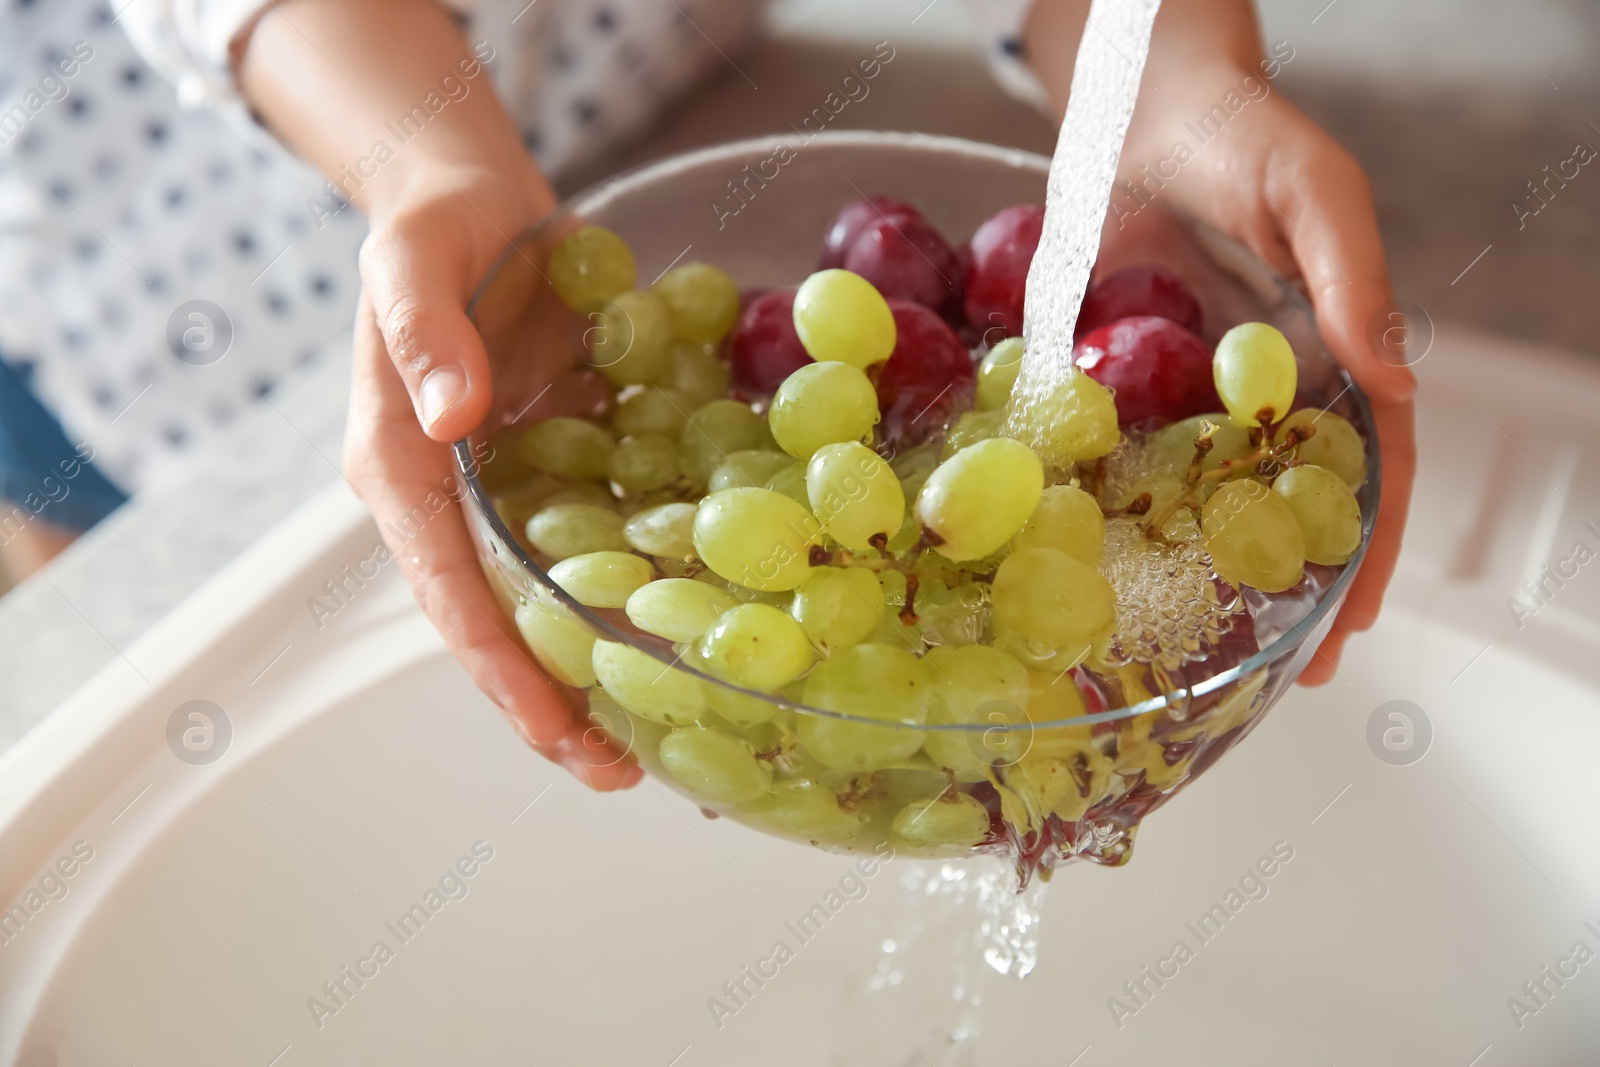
x=1280, y=185
x=331, y=77
x=421, y=381
x=1275, y=181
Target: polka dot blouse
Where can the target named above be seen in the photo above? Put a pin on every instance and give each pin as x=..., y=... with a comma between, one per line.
x=160, y=268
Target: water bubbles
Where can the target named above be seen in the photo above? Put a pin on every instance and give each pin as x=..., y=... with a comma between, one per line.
x=1150, y=577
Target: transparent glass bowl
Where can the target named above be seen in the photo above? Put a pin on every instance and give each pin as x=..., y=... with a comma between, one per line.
x=1056, y=790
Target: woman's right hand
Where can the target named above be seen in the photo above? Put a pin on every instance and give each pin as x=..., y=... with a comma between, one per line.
x=330, y=77
x=420, y=381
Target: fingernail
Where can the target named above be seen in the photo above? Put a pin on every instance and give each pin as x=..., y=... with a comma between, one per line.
x=442, y=389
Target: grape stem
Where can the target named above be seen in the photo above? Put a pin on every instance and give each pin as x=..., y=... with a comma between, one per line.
x=782, y=748
x=845, y=558
x=1279, y=454
x=1139, y=505
x=850, y=799
x=908, y=612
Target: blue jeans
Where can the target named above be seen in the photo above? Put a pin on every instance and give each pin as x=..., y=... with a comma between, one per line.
x=43, y=475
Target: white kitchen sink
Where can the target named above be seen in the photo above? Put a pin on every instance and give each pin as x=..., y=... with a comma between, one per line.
x=208, y=903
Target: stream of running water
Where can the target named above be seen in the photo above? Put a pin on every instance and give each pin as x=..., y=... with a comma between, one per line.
x=956, y=922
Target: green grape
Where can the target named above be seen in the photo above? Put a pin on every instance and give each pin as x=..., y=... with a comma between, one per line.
x=630, y=340
x=976, y=500
x=602, y=579
x=743, y=595
x=1336, y=446
x=840, y=316
x=741, y=709
x=1050, y=786
x=714, y=765
x=893, y=584
x=716, y=430
x=1172, y=447
x=967, y=678
x=998, y=373
x=942, y=821
x=678, y=609
x=1253, y=537
x=756, y=646
x=1164, y=487
x=569, y=447
x=648, y=461
x=951, y=614
x=562, y=643
x=697, y=373
x=791, y=482
x=896, y=634
x=563, y=530
x=984, y=688
x=598, y=495
x=757, y=538
x=910, y=532
x=1255, y=373
x=646, y=686
x=1046, y=601
x=916, y=463
x=748, y=468
x=1074, y=421
x=1054, y=697
x=871, y=681
x=665, y=530
x=854, y=494
x=838, y=606
x=972, y=427
x=822, y=403
x=902, y=785
x=590, y=265
x=654, y=410
x=810, y=810
x=703, y=300
x=1329, y=517
x=1066, y=519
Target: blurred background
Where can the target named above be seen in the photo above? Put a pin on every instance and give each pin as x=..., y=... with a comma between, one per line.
x=1453, y=106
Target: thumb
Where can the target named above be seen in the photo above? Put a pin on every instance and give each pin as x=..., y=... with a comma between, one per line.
x=419, y=294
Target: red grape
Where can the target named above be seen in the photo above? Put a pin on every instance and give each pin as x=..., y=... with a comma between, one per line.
x=997, y=259
x=906, y=258
x=928, y=375
x=765, y=348
x=855, y=217
x=1160, y=371
x=1143, y=290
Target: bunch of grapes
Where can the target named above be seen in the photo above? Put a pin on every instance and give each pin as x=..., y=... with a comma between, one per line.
x=808, y=500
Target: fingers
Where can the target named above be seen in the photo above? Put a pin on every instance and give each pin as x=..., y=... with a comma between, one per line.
x=1398, y=451
x=1326, y=204
x=410, y=485
x=592, y=759
x=418, y=293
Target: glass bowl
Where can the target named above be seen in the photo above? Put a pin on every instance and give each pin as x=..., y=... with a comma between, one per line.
x=1053, y=788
